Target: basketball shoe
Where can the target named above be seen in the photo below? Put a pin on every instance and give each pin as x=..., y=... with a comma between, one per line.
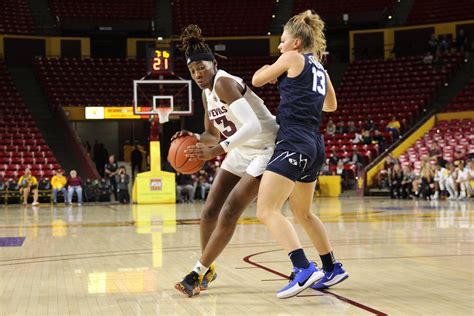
x=337, y=275
x=190, y=284
x=302, y=279
x=208, y=277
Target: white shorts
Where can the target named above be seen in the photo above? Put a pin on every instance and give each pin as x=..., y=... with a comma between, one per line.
x=239, y=161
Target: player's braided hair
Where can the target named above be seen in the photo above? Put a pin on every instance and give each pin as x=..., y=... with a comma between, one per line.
x=192, y=41
x=309, y=27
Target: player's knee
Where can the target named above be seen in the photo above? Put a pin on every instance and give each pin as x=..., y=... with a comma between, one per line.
x=210, y=212
x=302, y=215
x=230, y=213
x=263, y=214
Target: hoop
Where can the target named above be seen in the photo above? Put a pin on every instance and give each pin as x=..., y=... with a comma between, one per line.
x=164, y=113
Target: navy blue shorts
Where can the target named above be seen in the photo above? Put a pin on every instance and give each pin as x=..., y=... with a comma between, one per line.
x=296, y=166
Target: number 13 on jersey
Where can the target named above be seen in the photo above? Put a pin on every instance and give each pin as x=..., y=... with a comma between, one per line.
x=319, y=81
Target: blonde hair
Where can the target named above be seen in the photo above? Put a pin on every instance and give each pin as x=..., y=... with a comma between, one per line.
x=309, y=28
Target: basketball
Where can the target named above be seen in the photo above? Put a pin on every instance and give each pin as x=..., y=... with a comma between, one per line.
x=178, y=159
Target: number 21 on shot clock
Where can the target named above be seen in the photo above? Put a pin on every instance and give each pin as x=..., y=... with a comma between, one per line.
x=162, y=61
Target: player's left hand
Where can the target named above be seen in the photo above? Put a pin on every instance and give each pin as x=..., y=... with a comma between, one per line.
x=199, y=152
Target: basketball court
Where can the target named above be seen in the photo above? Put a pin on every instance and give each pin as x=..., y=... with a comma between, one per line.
x=404, y=258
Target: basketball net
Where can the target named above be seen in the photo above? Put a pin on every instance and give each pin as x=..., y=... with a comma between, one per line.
x=164, y=114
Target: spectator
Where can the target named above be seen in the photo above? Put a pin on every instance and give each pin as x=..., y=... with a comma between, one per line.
x=357, y=158
x=470, y=170
x=122, y=180
x=325, y=170
x=351, y=128
x=395, y=181
x=451, y=184
x=426, y=183
x=330, y=128
x=27, y=184
x=379, y=139
x=204, y=183
x=184, y=185
x=428, y=58
x=406, y=183
x=440, y=177
x=74, y=184
x=369, y=125
x=463, y=181
x=333, y=159
x=382, y=177
x=367, y=140
x=136, y=158
x=58, y=182
x=394, y=127
x=358, y=139
x=111, y=170
x=340, y=127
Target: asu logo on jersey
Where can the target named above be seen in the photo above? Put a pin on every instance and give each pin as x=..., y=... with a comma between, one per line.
x=217, y=112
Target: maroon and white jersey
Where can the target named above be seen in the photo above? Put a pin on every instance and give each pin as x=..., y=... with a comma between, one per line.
x=227, y=123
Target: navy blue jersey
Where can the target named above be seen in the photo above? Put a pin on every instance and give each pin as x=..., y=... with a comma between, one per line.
x=299, y=112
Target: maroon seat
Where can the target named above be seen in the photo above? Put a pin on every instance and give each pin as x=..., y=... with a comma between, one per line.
x=20, y=141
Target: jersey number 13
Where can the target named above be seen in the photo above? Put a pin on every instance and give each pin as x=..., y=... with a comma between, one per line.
x=319, y=81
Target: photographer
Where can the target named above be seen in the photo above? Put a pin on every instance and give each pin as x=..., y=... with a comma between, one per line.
x=122, y=179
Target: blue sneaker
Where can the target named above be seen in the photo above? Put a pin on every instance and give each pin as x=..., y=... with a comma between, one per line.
x=302, y=279
x=331, y=278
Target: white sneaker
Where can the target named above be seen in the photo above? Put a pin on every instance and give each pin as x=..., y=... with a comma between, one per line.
x=35, y=203
x=435, y=196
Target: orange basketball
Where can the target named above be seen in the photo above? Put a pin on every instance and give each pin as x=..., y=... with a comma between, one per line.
x=178, y=159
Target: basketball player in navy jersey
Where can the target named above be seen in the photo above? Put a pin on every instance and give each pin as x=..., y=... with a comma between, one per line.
x=237, y=113
x=306, y=91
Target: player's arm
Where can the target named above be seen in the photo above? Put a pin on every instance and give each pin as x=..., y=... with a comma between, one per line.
x=330, y=102
x=291, y=62
x=230, y=92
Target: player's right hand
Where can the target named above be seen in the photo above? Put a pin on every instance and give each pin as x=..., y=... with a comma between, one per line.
x=181, y=134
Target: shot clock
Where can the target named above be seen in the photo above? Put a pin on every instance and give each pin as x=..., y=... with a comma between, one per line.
x=159, y=60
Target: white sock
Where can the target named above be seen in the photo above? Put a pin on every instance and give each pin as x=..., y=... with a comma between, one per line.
x=200, y=268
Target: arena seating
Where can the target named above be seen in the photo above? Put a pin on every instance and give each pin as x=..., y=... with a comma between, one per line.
x=464, y=101
x=21, y=143
x=104, y=9
x=428, y=11
x=218, y=18
x=359, y=10
x=380, y=90
x=15, y=17
x=96, y=81
x=451, y=136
